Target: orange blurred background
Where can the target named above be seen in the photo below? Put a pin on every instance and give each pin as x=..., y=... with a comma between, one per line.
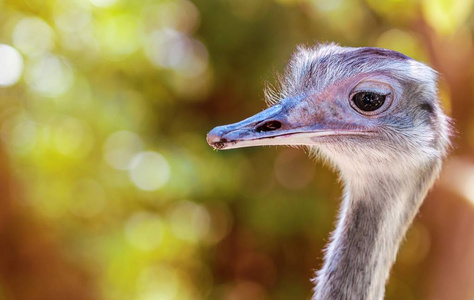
x=108, y=189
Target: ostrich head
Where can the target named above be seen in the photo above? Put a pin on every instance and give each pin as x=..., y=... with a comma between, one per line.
x=375, y=115
x=362, y=108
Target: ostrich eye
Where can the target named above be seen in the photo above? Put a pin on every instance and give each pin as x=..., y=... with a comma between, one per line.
x=368, y=101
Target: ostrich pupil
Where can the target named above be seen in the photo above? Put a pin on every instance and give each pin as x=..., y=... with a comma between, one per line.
x=368, y=101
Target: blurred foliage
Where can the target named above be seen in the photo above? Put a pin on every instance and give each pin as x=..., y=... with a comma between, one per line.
x=104, y=108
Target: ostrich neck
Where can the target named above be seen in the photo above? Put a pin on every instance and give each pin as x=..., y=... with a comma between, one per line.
x=376, y=211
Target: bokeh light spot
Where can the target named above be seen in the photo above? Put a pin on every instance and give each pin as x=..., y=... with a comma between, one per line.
x=118, y=36
x=72, y=16
x=190, y=221
x=171, y=49
x=403, y=42
x=446, y=16
x=144, y=230
x=158, y=283
x=181, y=15
x=33, y=36
x=327, y=5
x=50, y=76
x=103, y=3
x=167, y=48
x=120, y=148
x=11, y=65
x=459, y=176
x=467, y=186
x=417, y=246
x=149, y=171
x=221, y=222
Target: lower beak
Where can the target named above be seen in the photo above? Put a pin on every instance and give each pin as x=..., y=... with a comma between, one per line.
x=269, y=127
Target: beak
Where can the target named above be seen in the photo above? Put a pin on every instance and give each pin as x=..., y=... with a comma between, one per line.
x=271, y=127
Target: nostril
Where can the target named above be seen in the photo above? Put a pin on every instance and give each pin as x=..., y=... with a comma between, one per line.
x=268, y=126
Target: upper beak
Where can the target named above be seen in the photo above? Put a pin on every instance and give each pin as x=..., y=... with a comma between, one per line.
x=269, y=127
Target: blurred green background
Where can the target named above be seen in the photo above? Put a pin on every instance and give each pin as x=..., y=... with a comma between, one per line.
x=108, y=189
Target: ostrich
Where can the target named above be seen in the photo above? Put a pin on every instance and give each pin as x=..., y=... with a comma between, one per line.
x=374, y=115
